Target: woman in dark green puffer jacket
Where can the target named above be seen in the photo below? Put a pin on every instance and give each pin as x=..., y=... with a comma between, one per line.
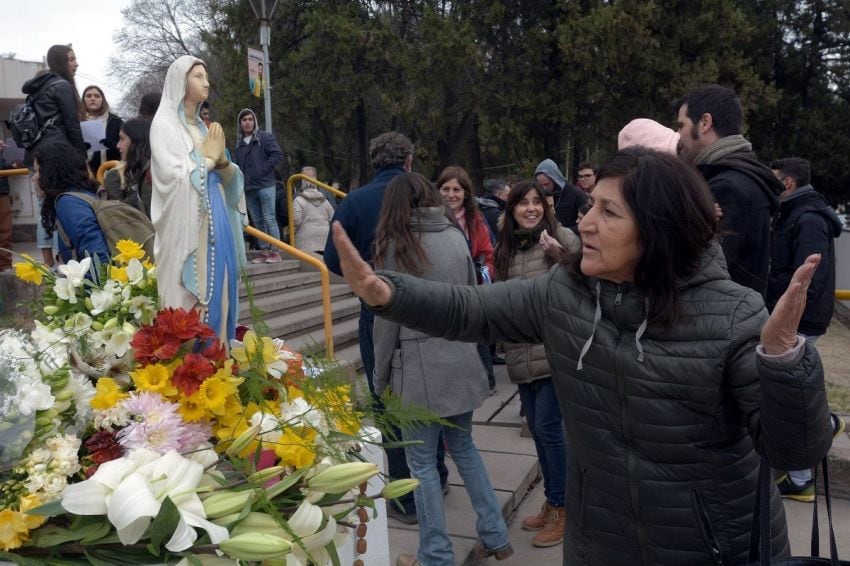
x=671, y=378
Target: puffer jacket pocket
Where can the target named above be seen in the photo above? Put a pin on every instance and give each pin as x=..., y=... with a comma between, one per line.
x=706, y=528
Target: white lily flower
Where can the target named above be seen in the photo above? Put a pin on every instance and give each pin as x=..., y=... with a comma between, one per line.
x=131, y=491
x=80, y=322
x=75, y=271
x=305, y=523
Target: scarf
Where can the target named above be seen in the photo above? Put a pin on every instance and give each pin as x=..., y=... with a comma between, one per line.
x=525, y=238
x=721, y=148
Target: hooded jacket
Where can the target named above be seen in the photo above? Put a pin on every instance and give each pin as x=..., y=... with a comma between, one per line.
x=568, y=198
x=492, y=209
x=748, y=193
x=805, y=225
x=444, y=376
x=312, y=214
x=258, y=158
x=665, y=427
x=51, y=95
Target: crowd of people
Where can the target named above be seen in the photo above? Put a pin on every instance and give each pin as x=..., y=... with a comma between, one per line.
x=659, y=317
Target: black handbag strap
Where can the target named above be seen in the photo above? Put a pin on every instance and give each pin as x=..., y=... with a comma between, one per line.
x=760, y=538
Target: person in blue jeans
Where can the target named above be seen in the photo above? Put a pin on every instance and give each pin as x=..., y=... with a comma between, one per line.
x=415, y=235
x=257, y=153
x=529, y=243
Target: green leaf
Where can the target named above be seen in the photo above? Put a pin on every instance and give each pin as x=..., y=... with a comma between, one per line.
x=97, y=533
x=332, y=554
x=52, y=535
x=20, y=560
x=50, y=509
x=165, y=523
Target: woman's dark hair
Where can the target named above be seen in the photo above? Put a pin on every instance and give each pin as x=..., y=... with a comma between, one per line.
x=61, y=168
x=674, y=212
x=104, y=107
x=57, y=62
x=138, y=130
x=404, y=193
x=506, y=242
x=473, y=216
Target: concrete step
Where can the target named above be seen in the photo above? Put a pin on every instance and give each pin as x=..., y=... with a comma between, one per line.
x=280, y=302
x=288, y=280
x=259, y=271
x=306, y=320
x=345, y=332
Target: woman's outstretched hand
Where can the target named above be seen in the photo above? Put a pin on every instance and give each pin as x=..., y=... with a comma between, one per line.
x=779, y=333
x=358, y=274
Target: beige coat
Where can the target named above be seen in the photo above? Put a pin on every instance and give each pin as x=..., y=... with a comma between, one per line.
x=312, y=214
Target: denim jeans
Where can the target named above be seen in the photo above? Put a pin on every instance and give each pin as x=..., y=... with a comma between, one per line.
x=261, y=208
x=435, y=548
x=546, y=425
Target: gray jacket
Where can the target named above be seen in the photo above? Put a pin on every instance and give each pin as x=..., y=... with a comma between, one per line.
x=664, y=426
x=444, y=376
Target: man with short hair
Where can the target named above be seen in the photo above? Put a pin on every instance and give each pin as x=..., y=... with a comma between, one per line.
x=709, y=120
x=257, y=153
x=492, y=204
x=586, y=178
x=391, y=154
x=567, y=198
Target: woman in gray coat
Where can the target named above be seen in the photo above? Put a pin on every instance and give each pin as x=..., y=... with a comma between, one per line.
x=672, y=379
x=414, y=235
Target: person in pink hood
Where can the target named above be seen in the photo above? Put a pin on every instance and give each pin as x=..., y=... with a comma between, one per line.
x=650, y=134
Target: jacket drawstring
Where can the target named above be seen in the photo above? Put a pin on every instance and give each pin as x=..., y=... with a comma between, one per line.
x=596, y=318
x=639, y=334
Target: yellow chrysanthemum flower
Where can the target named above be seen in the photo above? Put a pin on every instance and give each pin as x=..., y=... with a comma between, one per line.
x=296, y=448
x=155, y=378
x=13, y=529
x=29, y=270
x=108, y=394
x=118, y=273
x=127, y=250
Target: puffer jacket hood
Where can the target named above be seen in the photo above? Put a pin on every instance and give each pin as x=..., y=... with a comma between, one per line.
x=239, y=133
x=312, y=195
x=745, y=162
x=550, y=169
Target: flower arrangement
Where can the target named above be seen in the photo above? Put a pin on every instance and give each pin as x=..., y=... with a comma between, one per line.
x=132, y=434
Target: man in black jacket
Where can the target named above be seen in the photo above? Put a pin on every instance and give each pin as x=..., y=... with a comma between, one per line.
x=257, y=154
x=709, y=124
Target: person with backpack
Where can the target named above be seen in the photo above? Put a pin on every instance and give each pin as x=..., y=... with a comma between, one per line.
x=52, y=94
x=54, y=109
x=257, y=153
x=60, y=169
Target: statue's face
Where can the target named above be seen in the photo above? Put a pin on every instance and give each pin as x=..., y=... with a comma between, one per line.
x=197, y=85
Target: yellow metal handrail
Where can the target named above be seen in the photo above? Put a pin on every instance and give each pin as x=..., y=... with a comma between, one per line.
x=842, y=294
x=323, y=271
x=289, y=183
x=13, y=172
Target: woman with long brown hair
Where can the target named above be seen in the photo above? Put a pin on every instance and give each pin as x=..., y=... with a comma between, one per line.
x=415, y=236
x=97, y=108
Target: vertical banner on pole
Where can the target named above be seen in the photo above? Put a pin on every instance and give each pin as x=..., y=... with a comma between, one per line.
x=256, y=80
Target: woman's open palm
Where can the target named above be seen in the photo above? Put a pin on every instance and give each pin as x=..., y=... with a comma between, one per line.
x=779, y=333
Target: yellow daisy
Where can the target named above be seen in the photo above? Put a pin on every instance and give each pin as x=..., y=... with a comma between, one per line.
x=108, y=394
x=193, y=408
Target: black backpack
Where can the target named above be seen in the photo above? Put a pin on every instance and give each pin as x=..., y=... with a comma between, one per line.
x=24, y=123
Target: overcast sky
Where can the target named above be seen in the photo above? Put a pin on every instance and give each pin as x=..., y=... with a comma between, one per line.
x=87, y=24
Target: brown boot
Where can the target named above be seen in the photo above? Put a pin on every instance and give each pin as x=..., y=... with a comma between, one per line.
x=553, y=530
x=537, y=522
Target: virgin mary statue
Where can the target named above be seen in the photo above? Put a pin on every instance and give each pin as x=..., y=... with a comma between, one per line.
x=197, y=204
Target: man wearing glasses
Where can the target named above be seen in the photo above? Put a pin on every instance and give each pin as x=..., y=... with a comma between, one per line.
x=586, y=178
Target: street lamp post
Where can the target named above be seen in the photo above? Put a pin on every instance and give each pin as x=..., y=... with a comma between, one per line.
x=264, y=9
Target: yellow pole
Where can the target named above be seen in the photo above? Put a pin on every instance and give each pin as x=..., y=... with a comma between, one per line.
x=323, y=271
